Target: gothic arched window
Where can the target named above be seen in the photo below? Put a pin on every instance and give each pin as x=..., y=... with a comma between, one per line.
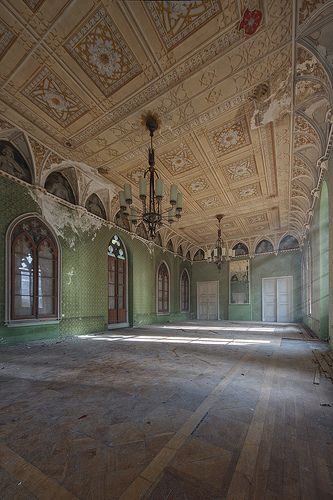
x=34, y=271
x=184, y=291
x=163, y=289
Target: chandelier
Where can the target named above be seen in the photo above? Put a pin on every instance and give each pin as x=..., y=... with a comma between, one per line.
x=219, y=254
x=151, y=213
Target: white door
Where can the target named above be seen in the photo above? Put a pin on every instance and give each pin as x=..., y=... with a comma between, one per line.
x=269, y=299
x=277, y=299
x=208, y=295
x=284, y=299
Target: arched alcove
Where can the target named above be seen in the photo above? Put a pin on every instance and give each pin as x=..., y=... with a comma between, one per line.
x=170, y=246
x=122, y=221
x=288, y=242
x=240, y=249
x=12, y=162
x=264, y=246
x=142, y=231
x=199, y=255
x=158, y=240
x=57, y=184
x=95, y=206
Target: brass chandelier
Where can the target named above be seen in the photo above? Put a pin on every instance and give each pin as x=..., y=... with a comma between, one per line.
x=151, y=213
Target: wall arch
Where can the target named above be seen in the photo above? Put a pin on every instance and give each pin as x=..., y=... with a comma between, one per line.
x=57, y=184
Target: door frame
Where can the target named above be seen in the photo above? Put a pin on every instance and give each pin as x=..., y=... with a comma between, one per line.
x=218, y=298
x=291, y=295
x=113, y=326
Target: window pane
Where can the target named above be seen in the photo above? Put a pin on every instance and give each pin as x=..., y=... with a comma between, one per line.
x=46, y=306
x=23, y=305
x=23, y=277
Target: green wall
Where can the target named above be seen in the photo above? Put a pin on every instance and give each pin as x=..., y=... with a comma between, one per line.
x=204, y=271
x=269, y=266
x=84, y=273
x=261, y=266
x=319, y=318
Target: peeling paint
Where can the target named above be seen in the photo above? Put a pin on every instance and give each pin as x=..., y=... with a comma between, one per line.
x=67, y=222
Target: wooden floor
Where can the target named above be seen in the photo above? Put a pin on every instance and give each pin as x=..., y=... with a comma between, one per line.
x=195, y=410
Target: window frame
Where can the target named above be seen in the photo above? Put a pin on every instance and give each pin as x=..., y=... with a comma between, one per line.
x=10, y=319
x=160, y=313
x=180, y=291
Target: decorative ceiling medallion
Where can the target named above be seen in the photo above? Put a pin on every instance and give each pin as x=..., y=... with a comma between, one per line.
x=100, y=49
x=241, y=169
x=53, y=96
x=250, y=21
x=196, y=185
x=179, y=160
x=176, y=19
x=247, y=192
x=135, y=174
x=33, y=4
x=210, y=202
x=7, y=37
x=229, y=137
x=256, y=219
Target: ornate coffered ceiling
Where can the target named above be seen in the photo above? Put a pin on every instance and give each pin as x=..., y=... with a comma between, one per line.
x=242, y=92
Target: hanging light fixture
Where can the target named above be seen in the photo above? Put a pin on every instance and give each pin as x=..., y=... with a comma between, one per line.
x=219, y=253
x=151, y=213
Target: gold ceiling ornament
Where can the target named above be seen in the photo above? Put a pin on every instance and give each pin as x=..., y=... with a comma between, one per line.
x=151, y=213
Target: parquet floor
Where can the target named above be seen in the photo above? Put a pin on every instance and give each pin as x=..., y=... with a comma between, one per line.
x=196, y=410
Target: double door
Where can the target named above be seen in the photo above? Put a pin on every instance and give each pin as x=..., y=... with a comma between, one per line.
x=277, y=299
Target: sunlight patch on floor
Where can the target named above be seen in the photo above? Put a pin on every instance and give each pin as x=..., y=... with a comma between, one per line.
x=174, y=340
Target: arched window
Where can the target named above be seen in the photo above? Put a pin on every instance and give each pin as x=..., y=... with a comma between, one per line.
x=57, y=184
x=240, y=249
x=163, y=289
x=264, y=246
x=34, y=271
x=180, y=251
x=117, y=281
x=188, y=255
x=95, y=206
x=184, y=291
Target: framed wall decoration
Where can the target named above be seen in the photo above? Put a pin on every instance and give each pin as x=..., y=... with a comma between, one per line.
x=239, y=283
